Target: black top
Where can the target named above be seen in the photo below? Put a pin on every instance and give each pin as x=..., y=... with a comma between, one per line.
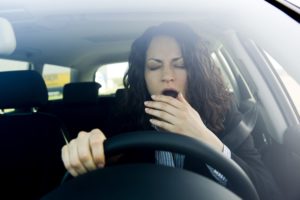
x=245, y=155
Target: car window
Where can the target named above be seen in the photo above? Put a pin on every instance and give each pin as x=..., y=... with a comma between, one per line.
x=110, y=77
x=55, y=78
x=12, y=65
x=224, y=73
x=291, y=86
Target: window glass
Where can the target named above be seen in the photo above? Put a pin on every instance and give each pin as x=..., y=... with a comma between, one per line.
x=13, y=65
x=55, y=78
x=110, y=76
x=223, y=72
x=292, y=87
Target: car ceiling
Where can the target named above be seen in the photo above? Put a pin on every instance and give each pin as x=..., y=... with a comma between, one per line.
x=85, y=34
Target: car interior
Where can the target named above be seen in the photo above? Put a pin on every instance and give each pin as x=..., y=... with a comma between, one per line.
x=37, y=127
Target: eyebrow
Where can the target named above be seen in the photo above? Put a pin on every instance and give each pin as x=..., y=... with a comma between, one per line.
x=160, y=61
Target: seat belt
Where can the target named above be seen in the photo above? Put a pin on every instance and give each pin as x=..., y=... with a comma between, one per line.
x=240, y=133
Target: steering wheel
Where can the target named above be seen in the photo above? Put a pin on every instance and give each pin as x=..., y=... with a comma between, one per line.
x=150, y=181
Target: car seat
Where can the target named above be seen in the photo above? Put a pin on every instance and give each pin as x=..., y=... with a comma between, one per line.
x=31, y=141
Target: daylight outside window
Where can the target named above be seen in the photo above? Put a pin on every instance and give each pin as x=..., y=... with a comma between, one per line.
x=110, y=76
x=55, y=78
x=13, y=65
x=291, y=86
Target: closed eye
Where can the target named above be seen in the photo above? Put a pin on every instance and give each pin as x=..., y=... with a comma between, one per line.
x=178, y=62
x=153, y=67
x=153, y=64
x=179, y=66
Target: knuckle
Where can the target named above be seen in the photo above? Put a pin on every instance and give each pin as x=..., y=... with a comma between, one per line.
x=163, y=115
x=172, y=100
x=64, y=148
x=159, y=106
x=96, y=141
x=75, y=164
x=73, y=142
x=185, y=109
x=95, y=131
x=81, y=134
x=149, y=103
x=84, y=157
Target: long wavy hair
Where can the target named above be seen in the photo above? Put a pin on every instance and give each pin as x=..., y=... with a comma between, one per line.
x=206, y=91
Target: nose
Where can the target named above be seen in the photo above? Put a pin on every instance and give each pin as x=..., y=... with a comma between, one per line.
x=168, y=74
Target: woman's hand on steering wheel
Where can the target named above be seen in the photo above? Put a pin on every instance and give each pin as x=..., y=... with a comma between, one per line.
x=84, y=153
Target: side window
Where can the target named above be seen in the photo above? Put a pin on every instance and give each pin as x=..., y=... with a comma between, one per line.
x=226, y=78
x=55, y=78
x=12, y=65
x=289, y=83
x=110, y=76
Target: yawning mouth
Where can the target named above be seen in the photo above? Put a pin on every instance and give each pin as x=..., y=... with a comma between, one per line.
x=170, y=92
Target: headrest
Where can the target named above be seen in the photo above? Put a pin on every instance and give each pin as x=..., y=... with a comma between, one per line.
x=22, y=89
x=7, y=37
x=81, y=92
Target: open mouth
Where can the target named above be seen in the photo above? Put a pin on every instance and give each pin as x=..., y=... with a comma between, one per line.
x=170, y=92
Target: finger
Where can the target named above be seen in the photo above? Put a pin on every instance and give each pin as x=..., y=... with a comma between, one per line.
x=84, y=151
x=162, y=124
x=66, y=160
x=165, y=116
x=168, y=100
x=74, y=158
x=96, y=144
x=162, y=107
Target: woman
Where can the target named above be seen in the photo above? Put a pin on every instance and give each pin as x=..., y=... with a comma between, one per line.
x=172, y=59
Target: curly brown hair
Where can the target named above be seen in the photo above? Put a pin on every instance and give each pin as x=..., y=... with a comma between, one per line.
x=206, y=91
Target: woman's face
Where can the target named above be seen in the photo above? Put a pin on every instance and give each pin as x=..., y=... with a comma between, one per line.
x=164, y=66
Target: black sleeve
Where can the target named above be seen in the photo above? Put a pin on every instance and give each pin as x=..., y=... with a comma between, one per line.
x=249, y=159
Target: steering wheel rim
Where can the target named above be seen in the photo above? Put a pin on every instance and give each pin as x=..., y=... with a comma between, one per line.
x=153, y=140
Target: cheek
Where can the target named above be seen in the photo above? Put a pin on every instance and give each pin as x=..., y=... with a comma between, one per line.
x=182, y=78
x=151, y=84
x=183, y=81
